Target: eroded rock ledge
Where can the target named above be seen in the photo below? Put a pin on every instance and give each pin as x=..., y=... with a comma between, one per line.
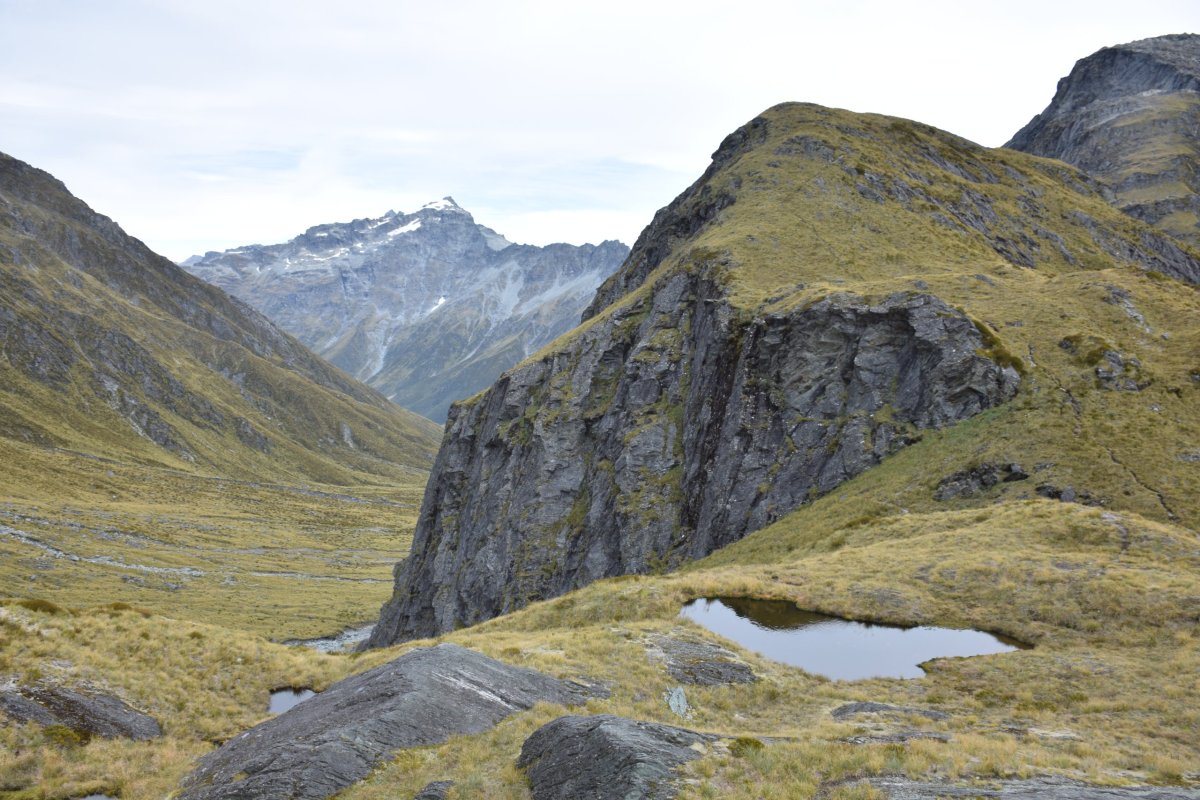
x=671, y=426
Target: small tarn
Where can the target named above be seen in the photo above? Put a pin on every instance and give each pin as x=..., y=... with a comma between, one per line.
x=285, y=698
x=837, y=648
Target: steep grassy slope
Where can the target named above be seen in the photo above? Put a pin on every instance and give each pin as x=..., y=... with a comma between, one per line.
x=112, y=350
x=1128, y=115
x=689, y=409
x=150, y=426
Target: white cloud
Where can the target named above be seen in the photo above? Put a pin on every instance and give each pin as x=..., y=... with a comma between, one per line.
x=208, y=125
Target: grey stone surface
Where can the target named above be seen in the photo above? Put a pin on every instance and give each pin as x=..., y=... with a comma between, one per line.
x=94, y=713
x=676, y=700
x=437, y=790
x=1032, y=789
x=970, y=482
x=1115, y=115
x=669, y=428
x=428, y=307
x=699, y=663
x=606, y=758
x=330, y=741
x=844, y=712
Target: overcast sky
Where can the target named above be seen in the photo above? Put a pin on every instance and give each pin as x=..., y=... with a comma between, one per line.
x=207, y=124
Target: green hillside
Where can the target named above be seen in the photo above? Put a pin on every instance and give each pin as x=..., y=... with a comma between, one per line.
x=161, y=441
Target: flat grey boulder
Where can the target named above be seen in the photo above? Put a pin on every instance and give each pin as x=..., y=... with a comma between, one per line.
x=700, y=663
x=607, y=758
x=93, y=713
x=330, y=741
x=1032, y=789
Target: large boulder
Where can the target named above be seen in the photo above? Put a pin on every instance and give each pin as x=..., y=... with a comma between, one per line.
x=328, y=742
x=605, y=757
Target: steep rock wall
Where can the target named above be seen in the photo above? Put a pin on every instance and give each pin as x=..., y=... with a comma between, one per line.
x=671, y=426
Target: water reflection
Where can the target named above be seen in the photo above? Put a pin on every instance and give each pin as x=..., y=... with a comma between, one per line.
x=836, y=648
x=283, y=699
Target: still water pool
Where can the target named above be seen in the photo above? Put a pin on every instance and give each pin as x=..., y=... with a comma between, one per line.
x=283, y=699
x=837, y=648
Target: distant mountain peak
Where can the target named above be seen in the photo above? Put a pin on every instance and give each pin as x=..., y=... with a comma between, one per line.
x=445, y=204
x=427, y=307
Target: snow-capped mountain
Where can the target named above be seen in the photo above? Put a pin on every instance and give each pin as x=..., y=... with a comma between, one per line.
x=427, y=307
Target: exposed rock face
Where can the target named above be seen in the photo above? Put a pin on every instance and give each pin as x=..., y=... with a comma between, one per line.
x=670, y=428
x=606, y=758
x=428, y=307
x=89, y=712
x=330, y=741
x=1129, y=115
x=700, y=663
x=971, y=482
x=1032, y=789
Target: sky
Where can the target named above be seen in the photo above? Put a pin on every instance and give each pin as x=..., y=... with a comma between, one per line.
x=207, y=125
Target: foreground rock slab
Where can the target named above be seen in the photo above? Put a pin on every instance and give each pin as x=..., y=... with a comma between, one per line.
x=607, y=758
x=93, y=713
x=1033, y=789
x=334, y=739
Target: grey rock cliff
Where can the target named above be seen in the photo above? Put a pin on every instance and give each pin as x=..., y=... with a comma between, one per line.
x=1130, y=115
x=428, y=307
x=669, y=428
x=329, y=741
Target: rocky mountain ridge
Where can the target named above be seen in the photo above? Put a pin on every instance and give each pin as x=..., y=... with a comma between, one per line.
x=428, y=307
x=729, y=373
x=1129, y=115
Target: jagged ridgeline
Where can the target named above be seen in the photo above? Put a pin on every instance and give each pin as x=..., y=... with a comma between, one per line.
x=428, y=307
x=115, y=352
x=836, y=287
x=1128, y=114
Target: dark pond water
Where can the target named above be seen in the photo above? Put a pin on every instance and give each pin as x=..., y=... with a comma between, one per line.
x=283, y=699
x=836, y=648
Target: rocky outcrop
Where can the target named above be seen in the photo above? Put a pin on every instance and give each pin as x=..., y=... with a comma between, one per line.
x=698, y=662
x=87, y=712
x=428, y=307
x=607, y=758
x=970, y=482
x=330, y=741
x=669, y=428
x=1129, y=114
